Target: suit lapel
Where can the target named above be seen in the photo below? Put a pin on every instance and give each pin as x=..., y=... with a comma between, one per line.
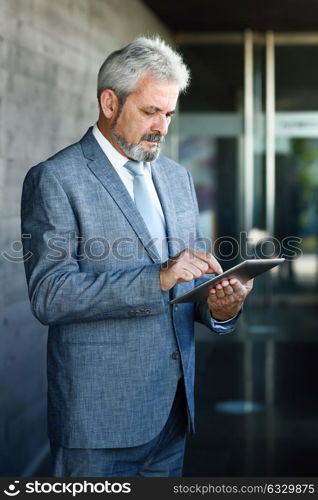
x=164, y=191
x=107, y=175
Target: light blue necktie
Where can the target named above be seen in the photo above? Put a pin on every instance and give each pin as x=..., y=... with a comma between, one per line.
x=146, y=206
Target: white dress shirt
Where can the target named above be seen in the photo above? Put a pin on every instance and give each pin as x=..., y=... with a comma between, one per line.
x=118, y=160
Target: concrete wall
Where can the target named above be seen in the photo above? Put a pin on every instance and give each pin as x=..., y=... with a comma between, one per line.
x=50, y=52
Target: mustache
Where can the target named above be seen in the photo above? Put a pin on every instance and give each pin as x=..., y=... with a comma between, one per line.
x=153, y=137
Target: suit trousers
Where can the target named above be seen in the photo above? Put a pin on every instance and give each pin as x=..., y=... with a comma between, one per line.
x=160, y=457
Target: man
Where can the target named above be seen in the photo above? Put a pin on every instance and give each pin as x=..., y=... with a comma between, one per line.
x=110, y=223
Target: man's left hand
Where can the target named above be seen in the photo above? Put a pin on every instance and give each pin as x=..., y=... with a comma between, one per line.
x=226, y=298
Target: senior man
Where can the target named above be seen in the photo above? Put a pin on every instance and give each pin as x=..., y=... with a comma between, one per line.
x=113, y=231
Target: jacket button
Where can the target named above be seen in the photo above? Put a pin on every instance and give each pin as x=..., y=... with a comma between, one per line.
x=175, y=355
x=147, y=311
x=175, y=307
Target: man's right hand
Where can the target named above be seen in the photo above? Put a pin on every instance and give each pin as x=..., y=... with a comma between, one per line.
x=186, y=266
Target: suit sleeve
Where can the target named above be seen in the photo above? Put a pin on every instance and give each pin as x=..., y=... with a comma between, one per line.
x=59, y=291
x=202, y=311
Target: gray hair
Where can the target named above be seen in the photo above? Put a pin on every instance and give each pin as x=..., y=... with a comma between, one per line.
x=123, y=68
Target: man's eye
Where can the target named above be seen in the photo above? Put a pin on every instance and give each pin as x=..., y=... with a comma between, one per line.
x=149, y=113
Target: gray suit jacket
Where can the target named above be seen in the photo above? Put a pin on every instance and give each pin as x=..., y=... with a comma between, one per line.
x=94, y=279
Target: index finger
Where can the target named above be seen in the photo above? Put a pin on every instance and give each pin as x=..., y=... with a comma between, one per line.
x=214, y=266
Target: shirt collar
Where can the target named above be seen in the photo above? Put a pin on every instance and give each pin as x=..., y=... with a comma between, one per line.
x=115, y=158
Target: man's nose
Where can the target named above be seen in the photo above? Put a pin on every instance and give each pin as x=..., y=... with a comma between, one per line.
x=160, y=124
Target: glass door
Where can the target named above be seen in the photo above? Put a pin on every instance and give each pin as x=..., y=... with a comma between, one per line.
x=248, y=132
x=296, y=159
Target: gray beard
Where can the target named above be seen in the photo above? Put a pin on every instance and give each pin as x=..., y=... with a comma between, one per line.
x=136, y=151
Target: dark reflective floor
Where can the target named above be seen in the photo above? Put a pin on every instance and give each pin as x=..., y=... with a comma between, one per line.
x=271, y=363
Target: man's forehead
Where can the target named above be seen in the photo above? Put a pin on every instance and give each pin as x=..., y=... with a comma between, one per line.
x=157, y=95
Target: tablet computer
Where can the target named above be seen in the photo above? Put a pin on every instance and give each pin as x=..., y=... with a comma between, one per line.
x=244, y=271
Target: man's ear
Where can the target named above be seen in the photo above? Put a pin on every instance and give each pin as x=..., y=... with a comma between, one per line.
x=109, y=103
